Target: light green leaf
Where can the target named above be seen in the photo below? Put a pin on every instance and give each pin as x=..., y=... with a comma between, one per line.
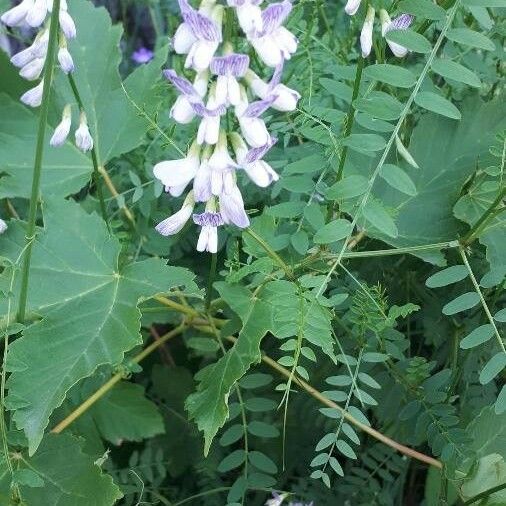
x=333, y=231
x=478, y=336
x=453, y=70
x=438, y=104
x=125, y=414
x=485, y=3
x=500, y=316
x=379, y=105
x=376, y=214
x=447, y=276
x=411, y=40
x=390, y=74
x=208, y=405
x=471, y=38
x=89, y=306
x=398, y=178
x=71, y=478
x=461, y=303
x=423, y=9
x=365, y=143
x=493, y=367
x=348, y=187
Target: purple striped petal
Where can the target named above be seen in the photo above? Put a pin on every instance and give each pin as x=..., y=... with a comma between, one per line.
x=202, y=27
x=208, y=219
x=232, y=64
x=401, y=22
x=274, y=15
x=182, y=85
x=276, y=77
x=255, y=154
x=256, y=108
x=201, y=110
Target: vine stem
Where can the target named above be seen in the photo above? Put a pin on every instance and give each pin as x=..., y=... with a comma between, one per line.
x=39, y=152
x=350, y=117
x=482, y=299
x=271, y=252
x=116, y=378
x=114, y=192
x=397, y=128
x=365, y=428
x=94, y=157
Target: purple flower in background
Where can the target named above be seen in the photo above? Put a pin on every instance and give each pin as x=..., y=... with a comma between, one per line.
x=142, y=55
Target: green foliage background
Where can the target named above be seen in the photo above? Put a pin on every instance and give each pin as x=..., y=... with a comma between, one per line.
x=312, y=354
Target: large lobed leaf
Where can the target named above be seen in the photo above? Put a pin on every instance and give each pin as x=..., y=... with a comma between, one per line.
x=89, y=308
x=59, y=474
x=208, y=405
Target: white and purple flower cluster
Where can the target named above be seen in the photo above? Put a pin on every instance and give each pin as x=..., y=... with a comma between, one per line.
x=224, y=82
x=401, y=22
x=31, y=60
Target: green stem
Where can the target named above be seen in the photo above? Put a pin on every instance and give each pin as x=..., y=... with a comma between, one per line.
x=486, y=493
x=482, y=299
x=486, y=216
x=350, y=117
x=270, y=252
x=210, y=281
x=94, y=157
x=39, y=152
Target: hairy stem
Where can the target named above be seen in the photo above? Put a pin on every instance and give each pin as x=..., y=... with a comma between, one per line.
x=39, y=152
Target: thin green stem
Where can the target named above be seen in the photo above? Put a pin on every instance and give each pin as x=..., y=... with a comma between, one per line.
x=39, y=152
x=484, y=494
x=94, y=157
x=350, y=117
x=404, y=113
x=210, y=281
x=485, y=217
x=490, y=318
x=271, y=252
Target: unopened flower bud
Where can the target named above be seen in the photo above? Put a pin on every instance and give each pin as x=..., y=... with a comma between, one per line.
x=61, y=132
x=366, y=33
x=84, y=140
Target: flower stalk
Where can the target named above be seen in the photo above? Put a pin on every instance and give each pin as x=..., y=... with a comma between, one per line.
x=39, y=152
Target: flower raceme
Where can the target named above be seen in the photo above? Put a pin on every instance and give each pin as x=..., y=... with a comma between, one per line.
x=31, y=60
x=224, y=84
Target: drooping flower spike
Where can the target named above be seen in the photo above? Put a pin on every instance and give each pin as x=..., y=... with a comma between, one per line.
x=31, y=60
x=223, y=81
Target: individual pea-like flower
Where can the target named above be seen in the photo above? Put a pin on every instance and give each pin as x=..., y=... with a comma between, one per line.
x=232, y=208
x=65, y=59
x=38, y=49
x=352, y=7
x=366, y=33
x=285, y=98
x=142, y=55
x=33, y=97
x=250, y=160
x=62, y=131
x=249, y=14
x=32, y=70
x=276, y=499
x=252, y=127
x=174, y=223
x=84, y=140
x=199, y=36
x=274, y=43
x=175, y=175
x=401, y=22
x=209, y=221
x=228, y=68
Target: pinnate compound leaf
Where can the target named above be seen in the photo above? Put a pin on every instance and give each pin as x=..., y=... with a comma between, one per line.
x=70, y=477
x=208, y=405
x=89, y=309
